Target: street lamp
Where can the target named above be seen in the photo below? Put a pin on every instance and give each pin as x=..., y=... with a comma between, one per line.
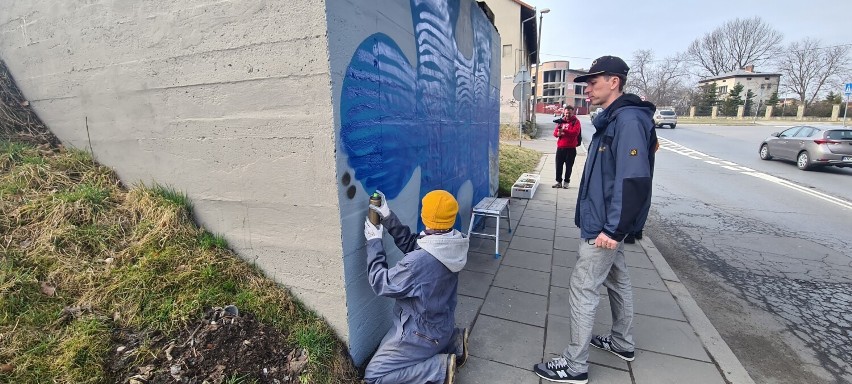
x=538, y=83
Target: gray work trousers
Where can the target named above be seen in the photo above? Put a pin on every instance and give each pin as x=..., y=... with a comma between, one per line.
x=596, y=266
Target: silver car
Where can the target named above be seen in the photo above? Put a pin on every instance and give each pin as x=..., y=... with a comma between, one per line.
x=810, y=146
x=665, y=116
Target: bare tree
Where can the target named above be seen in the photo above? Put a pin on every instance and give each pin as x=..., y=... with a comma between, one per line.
x=734, y=45
x=809, y=68
x=659, y=81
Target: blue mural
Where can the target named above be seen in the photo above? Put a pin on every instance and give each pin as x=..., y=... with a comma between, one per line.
x=440, y=114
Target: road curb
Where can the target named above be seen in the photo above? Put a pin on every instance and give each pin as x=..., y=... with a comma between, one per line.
x=728, y=363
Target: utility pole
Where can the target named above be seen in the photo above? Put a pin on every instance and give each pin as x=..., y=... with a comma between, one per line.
x=538, y=82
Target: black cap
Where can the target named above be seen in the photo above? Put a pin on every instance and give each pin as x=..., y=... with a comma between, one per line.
x=611, y=65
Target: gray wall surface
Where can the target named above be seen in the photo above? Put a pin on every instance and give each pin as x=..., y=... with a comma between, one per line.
x=226, y=101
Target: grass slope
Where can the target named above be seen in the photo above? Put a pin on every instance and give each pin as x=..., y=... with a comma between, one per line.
x=81, y=257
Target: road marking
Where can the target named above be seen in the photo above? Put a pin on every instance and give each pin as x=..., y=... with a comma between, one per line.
x=681, y=150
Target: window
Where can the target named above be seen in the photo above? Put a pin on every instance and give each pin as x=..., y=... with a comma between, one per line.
x=723, y=90
x=507, y=50
x=552, y=76
x=579, y=89
x=765, y=78
x=790, y=132
x=805, y=132
x=839, y=135
x=748, y=78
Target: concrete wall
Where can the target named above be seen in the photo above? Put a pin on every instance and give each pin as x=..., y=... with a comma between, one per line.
x=227, y=101
x=277, y=118
x=415, y=88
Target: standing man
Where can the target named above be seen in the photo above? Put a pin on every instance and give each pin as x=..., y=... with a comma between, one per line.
x=615, y=190
x=567, y=131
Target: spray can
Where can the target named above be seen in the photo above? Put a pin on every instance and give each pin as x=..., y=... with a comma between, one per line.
x=375, y=199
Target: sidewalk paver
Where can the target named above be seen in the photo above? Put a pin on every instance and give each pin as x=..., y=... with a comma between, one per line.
x=517, y=305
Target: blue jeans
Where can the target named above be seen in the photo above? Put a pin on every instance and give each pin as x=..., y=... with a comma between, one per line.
x=595, y=267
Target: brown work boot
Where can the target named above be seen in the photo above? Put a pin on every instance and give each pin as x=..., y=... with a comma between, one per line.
x=465, y=334
x=451, y=369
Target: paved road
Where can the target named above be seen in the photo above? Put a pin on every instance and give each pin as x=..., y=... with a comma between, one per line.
x=763, y=247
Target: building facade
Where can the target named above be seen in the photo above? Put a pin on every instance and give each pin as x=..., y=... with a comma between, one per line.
x=761, y=84
x=517, y=50
x=558, y=87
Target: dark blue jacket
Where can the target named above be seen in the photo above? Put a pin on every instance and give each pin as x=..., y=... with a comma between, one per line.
x=616, y=186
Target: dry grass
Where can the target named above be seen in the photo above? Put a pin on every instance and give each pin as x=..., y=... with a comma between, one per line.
x=81, y=257
x=513, y=162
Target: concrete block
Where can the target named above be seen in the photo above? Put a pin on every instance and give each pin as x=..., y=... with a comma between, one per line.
x=489, y=341
x=474, y=284
x=532, y=245
x=650, y=367
x=534, y=232
x=467, y=309
x=482, y=371
x=522, y=279
x=530, y=260
x=517, y=306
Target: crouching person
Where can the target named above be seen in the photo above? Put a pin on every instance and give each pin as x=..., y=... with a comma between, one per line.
x=423, y=345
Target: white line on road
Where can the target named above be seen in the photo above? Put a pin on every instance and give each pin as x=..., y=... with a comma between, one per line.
x=681, y=150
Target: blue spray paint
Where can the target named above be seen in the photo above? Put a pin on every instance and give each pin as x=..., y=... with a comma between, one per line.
x=440, y=114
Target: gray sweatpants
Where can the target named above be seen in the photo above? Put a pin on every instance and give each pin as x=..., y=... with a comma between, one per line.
x=596, y=266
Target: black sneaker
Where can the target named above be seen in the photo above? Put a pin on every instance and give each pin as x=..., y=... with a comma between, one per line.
x=603, y=342
x=638, y=235
x=557, y=185
x=450, y=378
x=557, y=370
x=630, y=239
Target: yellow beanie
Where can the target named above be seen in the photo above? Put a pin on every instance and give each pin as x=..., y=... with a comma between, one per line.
x=439, y=210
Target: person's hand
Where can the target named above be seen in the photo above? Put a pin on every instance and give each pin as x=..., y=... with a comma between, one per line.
x=604, y=241
x=383, y=210
x=372, y=231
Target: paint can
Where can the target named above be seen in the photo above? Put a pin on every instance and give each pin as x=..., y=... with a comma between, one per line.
x=375, y=199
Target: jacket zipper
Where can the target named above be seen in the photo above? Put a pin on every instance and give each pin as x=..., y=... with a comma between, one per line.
x=424, y=337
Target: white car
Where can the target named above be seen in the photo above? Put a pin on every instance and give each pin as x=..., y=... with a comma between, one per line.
x=595, y=113
x=665, y=117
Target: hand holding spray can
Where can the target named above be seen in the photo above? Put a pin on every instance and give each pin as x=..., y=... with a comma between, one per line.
x=375, y=199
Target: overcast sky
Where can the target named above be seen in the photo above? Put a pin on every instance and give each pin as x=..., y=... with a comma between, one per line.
x=582, y=31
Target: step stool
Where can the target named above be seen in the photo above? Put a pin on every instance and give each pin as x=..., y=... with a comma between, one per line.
x=491, y=207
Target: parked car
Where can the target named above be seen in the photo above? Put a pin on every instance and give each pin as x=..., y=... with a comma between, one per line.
x=810, y=147
x=595, y=113
x=665, y=117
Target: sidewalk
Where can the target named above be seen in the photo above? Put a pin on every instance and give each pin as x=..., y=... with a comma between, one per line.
x=517, y=306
